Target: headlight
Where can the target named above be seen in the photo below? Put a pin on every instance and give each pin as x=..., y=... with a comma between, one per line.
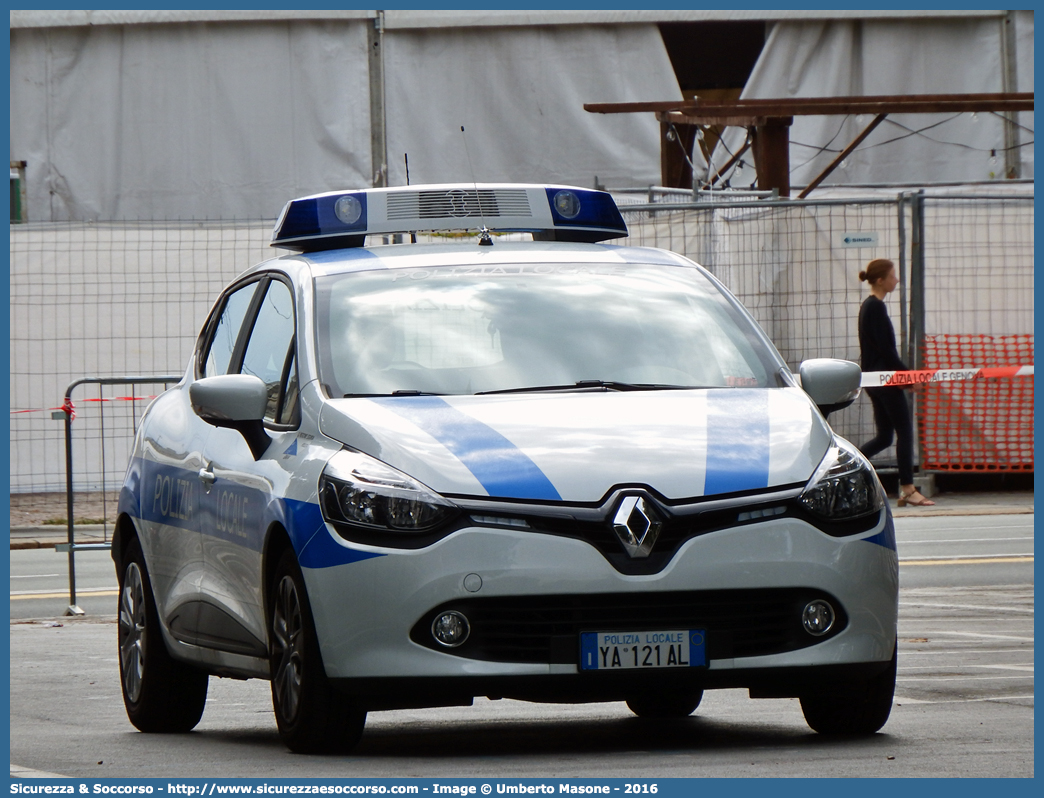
x=844, y=486
x=358, y=490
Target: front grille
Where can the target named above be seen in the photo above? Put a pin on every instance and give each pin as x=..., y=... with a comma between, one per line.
x=458, y=203
x=673, y=533
x=546, y=629
x=675, y=530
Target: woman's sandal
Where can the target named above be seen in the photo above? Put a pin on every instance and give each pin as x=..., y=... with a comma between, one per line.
x=905, y=499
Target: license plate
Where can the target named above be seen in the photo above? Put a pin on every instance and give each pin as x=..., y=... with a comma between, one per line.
x=610, y=651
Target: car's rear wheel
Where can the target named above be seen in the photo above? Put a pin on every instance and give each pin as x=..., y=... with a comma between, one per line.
x=852, y=710
x=160, y=693
x=312, y=717
x=665, y=705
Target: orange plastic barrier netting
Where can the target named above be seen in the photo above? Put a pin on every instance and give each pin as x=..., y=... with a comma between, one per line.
x=983, y=425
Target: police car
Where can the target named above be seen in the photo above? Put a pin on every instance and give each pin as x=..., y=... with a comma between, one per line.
x=553, y=470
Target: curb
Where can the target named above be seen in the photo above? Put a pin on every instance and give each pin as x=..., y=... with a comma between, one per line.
x=47, y=537
x=45, y=544
x=33, y=543
x=912, y=512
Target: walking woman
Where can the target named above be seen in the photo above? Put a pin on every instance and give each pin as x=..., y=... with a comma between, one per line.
x=878, y=353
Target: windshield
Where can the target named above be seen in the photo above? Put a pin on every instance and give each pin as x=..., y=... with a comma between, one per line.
x=533, y=327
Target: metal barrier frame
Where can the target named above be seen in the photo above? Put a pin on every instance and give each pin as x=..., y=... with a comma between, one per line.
x=914, y=245
x=71, y=546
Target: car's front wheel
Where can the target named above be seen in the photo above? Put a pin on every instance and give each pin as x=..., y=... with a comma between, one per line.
x=160, y=693
x=312, y=717
x=665, y=705
x=852, y=710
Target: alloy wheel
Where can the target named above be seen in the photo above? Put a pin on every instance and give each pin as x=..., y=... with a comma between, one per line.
x=288, y=644
x=132, y=633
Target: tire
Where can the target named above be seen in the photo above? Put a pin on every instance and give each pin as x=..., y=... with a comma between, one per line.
x=665, y=705
x=160, y=693
x=312, y=717
x=853, y=711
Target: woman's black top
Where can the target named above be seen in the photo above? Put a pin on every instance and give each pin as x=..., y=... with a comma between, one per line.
x=877, y=349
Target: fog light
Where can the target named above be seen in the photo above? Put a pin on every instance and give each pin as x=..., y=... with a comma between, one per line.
x=818, y=618
x=450, y=629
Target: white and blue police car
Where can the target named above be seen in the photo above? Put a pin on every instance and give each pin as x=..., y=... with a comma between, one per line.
x=553, y=470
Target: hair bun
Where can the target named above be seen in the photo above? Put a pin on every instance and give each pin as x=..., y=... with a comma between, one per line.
x=862, y=277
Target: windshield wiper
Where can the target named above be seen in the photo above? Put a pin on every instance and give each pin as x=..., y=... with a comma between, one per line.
x=401, y=392
x=592, y=385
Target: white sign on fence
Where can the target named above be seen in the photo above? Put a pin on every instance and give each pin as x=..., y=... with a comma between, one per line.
x=858, y=239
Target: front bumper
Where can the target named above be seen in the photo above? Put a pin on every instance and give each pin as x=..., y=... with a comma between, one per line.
x=366, y=611
x=376, y=694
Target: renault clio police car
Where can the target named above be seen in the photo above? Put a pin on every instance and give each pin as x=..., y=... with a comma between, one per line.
x=552, y=470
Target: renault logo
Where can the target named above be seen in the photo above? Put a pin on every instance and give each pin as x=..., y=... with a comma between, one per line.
x=637, y=525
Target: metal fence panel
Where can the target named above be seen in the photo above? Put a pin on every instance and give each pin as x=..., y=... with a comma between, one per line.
x=118, y=298
x=105, y=300
x=978, y=265
x=791, y=267
x=795, y=266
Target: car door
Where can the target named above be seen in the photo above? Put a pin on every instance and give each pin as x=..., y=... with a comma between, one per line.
x=242, y=495
x=171, y=459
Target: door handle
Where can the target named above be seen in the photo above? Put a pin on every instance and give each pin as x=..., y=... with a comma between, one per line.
x=207, y=477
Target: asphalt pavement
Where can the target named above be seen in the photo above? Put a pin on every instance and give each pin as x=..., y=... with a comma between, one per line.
x=964, y=699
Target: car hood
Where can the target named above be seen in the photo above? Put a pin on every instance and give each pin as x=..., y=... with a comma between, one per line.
x=577, y=447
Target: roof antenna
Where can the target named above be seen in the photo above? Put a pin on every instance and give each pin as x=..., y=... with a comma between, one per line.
x=406, y=158
x=485, y=239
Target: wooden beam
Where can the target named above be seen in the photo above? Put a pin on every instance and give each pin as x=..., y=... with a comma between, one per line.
x=674, y=166
x=842, y=155
x=879, y=99
x=816, y=106
x=772, y=155
x=723, y=121
x=855, y=107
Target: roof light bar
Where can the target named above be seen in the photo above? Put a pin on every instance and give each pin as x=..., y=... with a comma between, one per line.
x=339, y=219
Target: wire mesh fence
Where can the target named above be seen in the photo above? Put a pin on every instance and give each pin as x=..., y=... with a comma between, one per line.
x=795, y=266
x=112, y=299
x=978, y=265
x=103, y=300
x=790, y=266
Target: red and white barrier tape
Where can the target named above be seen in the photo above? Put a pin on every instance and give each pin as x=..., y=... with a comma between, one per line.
x=880, y=379
x=70, y=410
x=870, y=379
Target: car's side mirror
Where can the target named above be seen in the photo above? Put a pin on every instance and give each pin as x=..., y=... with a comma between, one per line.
x=831, y=384
x=237, y=401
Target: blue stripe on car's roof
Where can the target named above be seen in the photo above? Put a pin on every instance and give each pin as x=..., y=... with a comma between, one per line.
x=648, y=256
x=338, y=255
x=501, y=467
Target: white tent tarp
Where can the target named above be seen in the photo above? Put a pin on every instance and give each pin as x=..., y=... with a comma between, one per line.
x=228, y=120
x=519, y=93
x=893, y=57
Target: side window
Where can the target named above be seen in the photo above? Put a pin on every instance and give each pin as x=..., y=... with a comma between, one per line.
x=226, y=333
x=270, y=353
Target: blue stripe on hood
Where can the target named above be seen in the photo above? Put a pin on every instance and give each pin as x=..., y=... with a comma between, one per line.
x=500, y=466
x=737, y=441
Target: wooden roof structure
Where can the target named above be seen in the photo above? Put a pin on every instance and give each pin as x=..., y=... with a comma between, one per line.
x=768, y=122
